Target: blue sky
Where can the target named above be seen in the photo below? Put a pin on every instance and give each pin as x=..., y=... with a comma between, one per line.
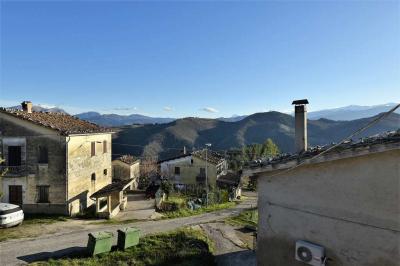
x=206, y=59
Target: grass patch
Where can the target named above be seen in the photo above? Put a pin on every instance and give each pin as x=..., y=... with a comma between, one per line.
x=247, y=218
x=185, y=212
x=31, y=226
x=182, y=247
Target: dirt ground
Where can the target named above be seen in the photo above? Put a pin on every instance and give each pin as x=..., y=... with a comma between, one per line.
x=233, y=244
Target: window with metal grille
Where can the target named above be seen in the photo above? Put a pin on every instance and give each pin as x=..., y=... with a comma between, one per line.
x=105, y=146
x=43, y=154
x=43, y=194
x=93, y=148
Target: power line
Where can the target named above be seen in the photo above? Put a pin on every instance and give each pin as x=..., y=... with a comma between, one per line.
x=368, y=125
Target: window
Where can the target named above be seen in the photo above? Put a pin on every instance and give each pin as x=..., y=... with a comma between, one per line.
x=43, y=155
x=105, y=171
x=191, y=161
x=14, y=155
x=93, y=177
x=43, y=194
x=93, y=148
x=202, y=171
x=105, y=146
x=177, y=170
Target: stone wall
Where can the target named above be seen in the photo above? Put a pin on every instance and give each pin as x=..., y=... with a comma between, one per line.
x=350, y=206
x=29, y=136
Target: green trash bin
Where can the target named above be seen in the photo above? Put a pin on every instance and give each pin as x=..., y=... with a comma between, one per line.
x=128, y=237
x=99, y=242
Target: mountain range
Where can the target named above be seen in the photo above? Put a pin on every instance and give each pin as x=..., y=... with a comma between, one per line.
x=164, y=140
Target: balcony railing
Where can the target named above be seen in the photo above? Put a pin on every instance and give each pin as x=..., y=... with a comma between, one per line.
x=13, y=170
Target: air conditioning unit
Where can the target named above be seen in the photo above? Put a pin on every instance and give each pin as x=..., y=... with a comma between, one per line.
x=310, y=253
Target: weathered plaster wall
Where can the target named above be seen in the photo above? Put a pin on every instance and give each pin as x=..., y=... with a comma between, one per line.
x=81, y=166
x=30, y=137
x=349, y=206
x=123, y=171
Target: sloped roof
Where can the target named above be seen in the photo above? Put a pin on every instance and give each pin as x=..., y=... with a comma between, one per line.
x=383, y=138
x=63, y=123
x=115, y=186
x=128, y=159
x=212, y=156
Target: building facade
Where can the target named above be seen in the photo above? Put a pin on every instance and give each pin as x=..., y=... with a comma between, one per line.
x=127, y=167
x=340, y=201
x=190, y=169
x=53, y=161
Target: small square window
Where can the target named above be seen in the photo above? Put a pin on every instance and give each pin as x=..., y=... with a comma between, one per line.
x=105, y=171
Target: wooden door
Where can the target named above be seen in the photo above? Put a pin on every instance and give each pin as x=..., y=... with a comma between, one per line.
x=15, y=195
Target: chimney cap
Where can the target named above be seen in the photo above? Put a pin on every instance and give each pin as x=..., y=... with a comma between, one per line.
x=303, y=101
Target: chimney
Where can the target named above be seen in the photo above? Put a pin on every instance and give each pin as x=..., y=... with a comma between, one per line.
x=27, y=106
x=300, y=117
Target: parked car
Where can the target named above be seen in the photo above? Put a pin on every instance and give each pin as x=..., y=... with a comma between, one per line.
x=10, y=215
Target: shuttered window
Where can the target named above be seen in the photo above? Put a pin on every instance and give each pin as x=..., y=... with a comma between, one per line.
x=43, y=194
x=93, y=148
x=105, y=146
x=43, y=154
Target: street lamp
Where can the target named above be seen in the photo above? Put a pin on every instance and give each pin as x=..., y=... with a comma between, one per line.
x=208, y=145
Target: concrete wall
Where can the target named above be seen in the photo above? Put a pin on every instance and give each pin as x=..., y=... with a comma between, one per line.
x=30, y=136
x=81, y=166
x=349, y=206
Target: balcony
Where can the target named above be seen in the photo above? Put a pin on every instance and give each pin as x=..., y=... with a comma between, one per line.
x=13, y=171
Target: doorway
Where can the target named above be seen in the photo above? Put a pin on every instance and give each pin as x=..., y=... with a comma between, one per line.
x=15, y=195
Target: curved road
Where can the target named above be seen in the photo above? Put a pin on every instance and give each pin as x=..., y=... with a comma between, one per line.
x=23, y=251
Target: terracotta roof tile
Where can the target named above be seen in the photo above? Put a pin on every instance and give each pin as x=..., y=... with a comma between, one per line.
x=63, y=123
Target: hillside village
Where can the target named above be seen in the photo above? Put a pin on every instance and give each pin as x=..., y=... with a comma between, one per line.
x=200, y=133
x=57, y=164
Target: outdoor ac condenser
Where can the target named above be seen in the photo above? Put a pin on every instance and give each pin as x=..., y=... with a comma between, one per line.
x=310, y=253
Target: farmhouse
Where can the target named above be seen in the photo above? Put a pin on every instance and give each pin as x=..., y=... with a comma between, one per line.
x=54, y=161
x=341, y=208
x=190, y=168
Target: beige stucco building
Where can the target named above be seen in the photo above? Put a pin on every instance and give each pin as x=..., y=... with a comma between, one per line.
x=127, y=167
x=190, y=169
x=343, y=201
x=54, y=161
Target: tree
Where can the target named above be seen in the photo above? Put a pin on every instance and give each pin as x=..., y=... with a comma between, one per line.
x=270, y=148
x=2, y=172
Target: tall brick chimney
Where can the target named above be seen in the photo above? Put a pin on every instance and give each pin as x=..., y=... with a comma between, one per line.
x=300, y=117
x=27, y=106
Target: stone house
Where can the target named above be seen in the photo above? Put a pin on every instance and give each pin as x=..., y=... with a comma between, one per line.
x=189, y=169
x=54, y=161
x=127, y=167
x=345, y=204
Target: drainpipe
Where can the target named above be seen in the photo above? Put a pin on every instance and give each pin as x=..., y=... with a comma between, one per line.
x=66, y=173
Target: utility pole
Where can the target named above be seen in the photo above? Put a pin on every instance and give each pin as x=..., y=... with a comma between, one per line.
x=207, y=145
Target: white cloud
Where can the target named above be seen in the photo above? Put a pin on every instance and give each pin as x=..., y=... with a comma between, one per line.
x=209, y=110
x=168, y=109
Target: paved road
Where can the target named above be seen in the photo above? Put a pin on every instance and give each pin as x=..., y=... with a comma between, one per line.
x=22, y=251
